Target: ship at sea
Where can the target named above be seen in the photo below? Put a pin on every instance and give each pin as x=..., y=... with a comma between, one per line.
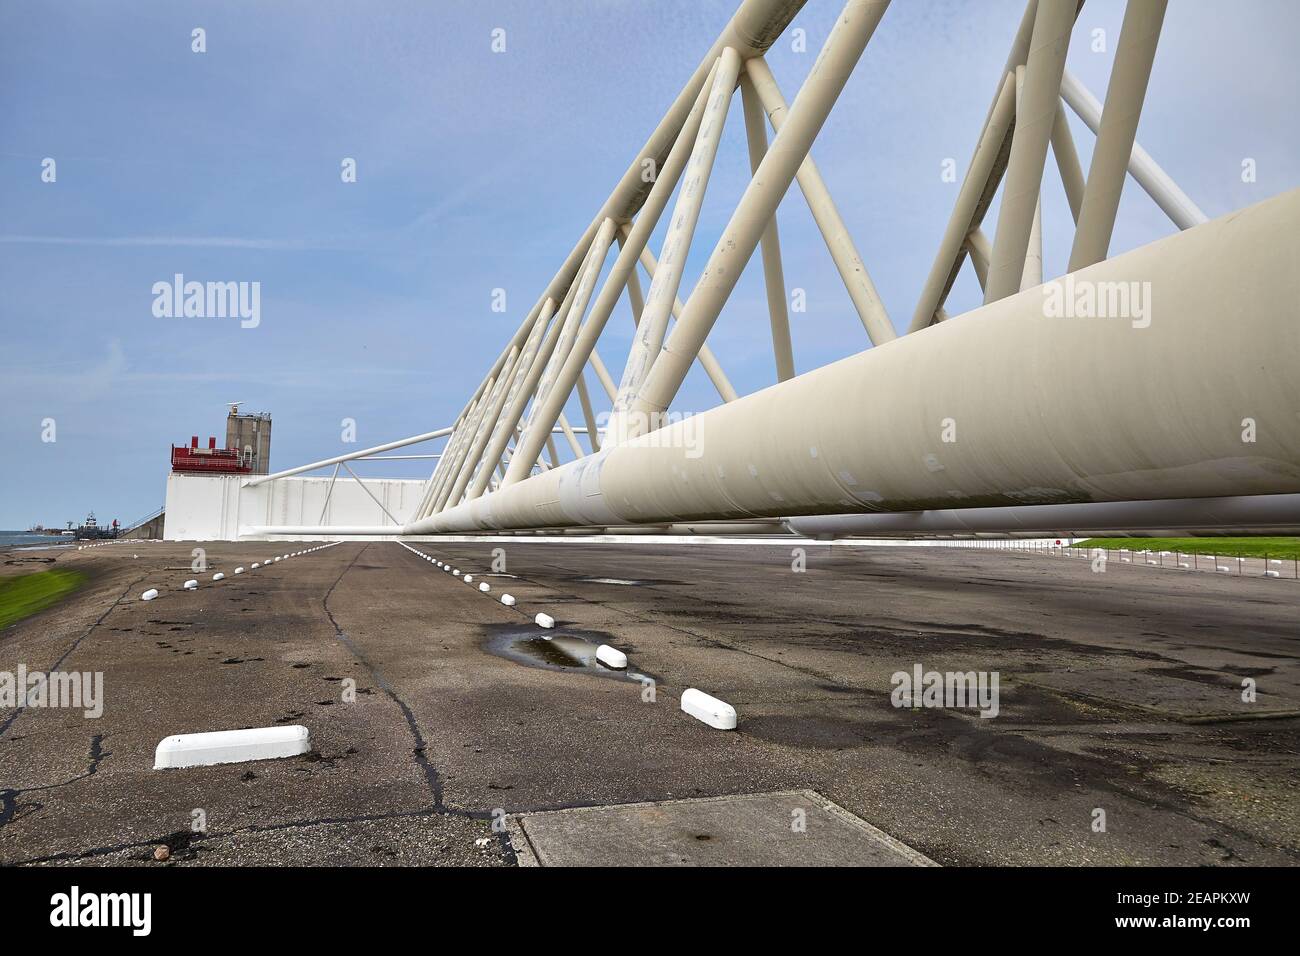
x=92, y=530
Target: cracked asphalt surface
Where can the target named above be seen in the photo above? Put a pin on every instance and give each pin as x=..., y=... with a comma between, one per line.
x=446, y=732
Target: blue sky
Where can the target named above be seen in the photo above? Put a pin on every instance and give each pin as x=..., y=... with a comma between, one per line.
x=476, y=170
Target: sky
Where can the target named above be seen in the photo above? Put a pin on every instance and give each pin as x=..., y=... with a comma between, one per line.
x=477, y=169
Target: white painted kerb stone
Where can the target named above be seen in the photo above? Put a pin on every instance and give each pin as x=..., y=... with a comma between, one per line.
x=611, y=657
x=716, y=713
x=231, y=746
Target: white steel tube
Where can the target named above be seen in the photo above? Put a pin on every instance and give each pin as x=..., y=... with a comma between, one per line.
x=389, y=446
x=1047, y=49
x=329, y=491
x=1119, y=122
x=1033, y=270
x=571, y=438
x=584, y=350
x=572, y=323
x=1175, y=203
x=503, y=417
x=773, y=276
x=1067, y=161
x=712, y=367
x=514, y=410
x=835, y=63
x=844, y=253
x=977, y=244
x=1251, y=513
x=967, y=210
x=470, y=454
x=1123, y=420
x=371, y=494
x=449, y=466
x=588, y=415
x=648, y=340
x=602, y=375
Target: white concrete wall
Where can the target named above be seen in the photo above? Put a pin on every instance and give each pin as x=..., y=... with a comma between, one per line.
x=203, y=508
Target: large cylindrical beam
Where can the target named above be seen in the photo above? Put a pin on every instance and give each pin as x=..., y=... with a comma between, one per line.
x=1027, y=401
x=1255, y=514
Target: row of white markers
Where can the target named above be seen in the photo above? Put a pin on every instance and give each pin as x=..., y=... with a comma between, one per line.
x=716, y=713
x=193, y=583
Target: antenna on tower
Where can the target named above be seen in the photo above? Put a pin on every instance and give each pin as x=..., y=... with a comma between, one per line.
x=234, y=407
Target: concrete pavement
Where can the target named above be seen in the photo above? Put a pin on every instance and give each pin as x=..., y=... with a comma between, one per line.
x=448, y=733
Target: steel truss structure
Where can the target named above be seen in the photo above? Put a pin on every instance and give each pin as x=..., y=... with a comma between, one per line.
x=1100, y=414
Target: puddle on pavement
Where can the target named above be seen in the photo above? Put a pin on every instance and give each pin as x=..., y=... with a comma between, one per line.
x=561, y=650
x=569, y=650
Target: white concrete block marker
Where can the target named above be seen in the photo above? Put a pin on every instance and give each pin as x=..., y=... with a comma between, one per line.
x=239, y=570
x=231, y=746
x=508, y=600
x=469, y=579
x=256, y=565
x=616, y=659
x=191, y=584
x=544, y=620
x=485, y=587
x=716, y=713
x=149, y=595
x=218, y=576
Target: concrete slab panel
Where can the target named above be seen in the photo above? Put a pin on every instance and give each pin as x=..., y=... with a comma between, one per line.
x=785, y=828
